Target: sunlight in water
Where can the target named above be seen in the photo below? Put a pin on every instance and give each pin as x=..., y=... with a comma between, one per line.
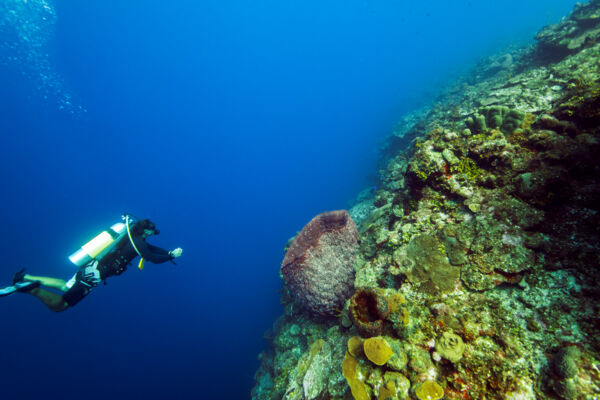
x=26, y=27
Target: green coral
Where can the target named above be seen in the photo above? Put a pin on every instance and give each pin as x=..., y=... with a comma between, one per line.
x=501, y=117
x=429, y=266
x=450, y=346
x=467, y=168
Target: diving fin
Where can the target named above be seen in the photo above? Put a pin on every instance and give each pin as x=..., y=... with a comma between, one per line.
x=19, y=287
x=27, y=286
x=19, y=276
x=7, y=290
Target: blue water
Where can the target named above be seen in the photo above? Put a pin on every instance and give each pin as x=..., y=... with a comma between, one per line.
x=230, y=124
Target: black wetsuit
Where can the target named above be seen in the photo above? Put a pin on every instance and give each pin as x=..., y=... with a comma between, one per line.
x=113, y=263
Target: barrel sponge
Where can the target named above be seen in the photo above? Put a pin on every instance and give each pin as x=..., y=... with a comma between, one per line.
x=318, y=267
x=378, y=350
x=368, y=310
x=450, y=346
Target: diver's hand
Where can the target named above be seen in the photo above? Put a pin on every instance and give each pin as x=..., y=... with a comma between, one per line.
x=176, y=253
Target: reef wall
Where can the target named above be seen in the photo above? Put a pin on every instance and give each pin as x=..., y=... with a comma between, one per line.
x=477, y=273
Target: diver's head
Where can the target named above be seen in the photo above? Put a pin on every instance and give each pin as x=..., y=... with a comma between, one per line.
x=145, y=228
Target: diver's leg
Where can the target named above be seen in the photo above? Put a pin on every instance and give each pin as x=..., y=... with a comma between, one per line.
x=47, y=281
x=53, y=301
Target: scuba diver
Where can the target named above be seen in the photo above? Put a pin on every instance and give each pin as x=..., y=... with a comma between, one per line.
x=108, y=254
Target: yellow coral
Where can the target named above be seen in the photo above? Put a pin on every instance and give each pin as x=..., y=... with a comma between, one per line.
x=394, y=302
x=528, y=120
x=357, y=387
x=429, y=390
x=355, y=346
x=378, y=350
x=404, y=316
x=316, y=347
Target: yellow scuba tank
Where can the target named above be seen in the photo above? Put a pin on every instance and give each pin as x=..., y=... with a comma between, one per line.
x=100, y=245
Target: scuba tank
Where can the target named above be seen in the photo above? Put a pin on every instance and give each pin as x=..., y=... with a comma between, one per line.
x=99, y=245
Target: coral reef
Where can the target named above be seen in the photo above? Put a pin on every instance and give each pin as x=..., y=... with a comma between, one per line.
x=476, y=276
x=318, y=267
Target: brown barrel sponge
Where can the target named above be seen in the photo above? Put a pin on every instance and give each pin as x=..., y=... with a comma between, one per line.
x=318, y=266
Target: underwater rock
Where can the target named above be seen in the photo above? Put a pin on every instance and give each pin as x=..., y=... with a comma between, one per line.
x=571, y=34
x=315, y=378
x=318, y=268
x=395, y=386
x=565, y=362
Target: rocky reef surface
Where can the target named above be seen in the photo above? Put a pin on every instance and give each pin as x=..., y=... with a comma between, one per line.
x=478, y=270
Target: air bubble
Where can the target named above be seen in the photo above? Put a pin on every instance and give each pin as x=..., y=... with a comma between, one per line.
x=26, y=27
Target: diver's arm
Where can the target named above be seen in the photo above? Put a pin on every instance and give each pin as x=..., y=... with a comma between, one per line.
x=157, y=250
x=151, y=253
x=173, y=253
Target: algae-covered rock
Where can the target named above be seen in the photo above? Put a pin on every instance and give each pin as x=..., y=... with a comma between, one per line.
x=399, y=358
x=497, y=255
x=570, y=34
x=455, y=251
x=315, y=378
x=565, y=361
x=397, y=385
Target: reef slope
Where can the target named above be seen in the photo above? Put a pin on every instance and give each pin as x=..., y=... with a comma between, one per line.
x=477, y=275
